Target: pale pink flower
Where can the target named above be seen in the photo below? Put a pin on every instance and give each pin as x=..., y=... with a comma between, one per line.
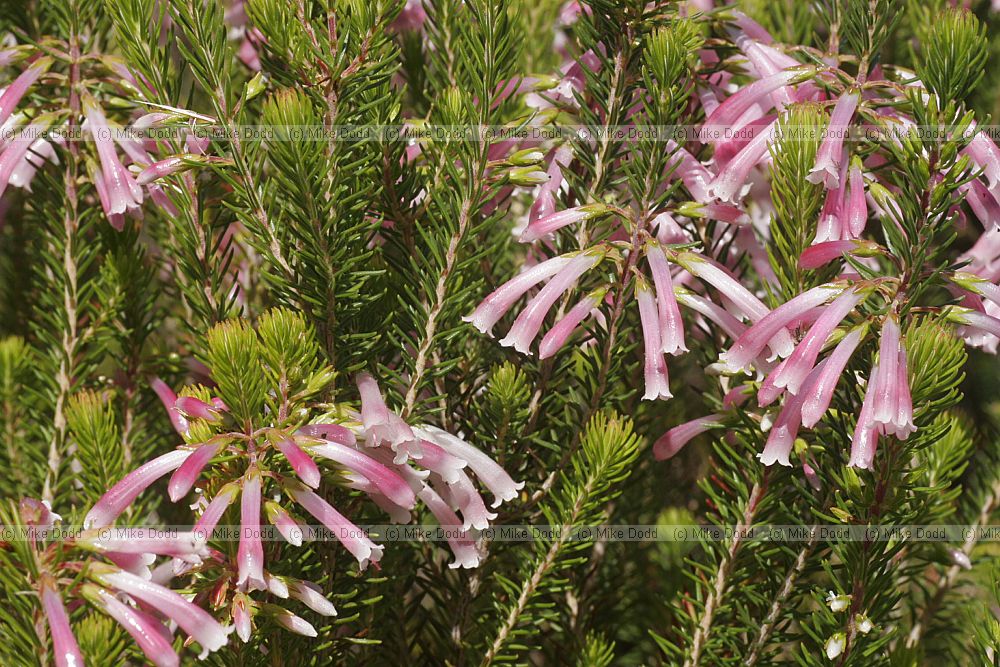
x=352, y=537
x=169, y=398
x=187, y=474
x=781, y=437
x=752, y=342
x=464, y=548
x=855, y=208
x=556, y=337
x=727, y=115
x=14, y=93
x=311, y=596
x=122, y=494
x=530, y=320
x=830, y=154
x=301, y=463
x=654, y=365
x=671, y=325
x=865, y=438
x=556, y=221
x=893, y=408
x=674, y=440
x=794, y=370
x=817, y=398
x=493, y=307
x=250, y=555
x=277, y=516
x=486, y=469
x=195, y=621
x=66, y=652
x=149, y=634
x=820, y=254
x=210, y=516
x=121, y=192
x=731, y=183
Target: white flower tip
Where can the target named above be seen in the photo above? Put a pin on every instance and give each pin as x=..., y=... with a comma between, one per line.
x=835, y=645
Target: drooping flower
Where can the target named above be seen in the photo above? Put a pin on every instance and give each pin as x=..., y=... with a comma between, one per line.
x=781, y=437
x=671, y=325
x=817, y=398
x=654, y=365
x=64, y=647
x=528, y=323
x=124, y=493
x=250, y=556
x=830, y=155
x=556, y=337
x=556, y=221
x=728, y=114
x=15, y=92
x=795, y=369
x=752, y=342
x=731, y=183
x=496, y=305
x=820, y=254
x=893, y=407
x=120, y=192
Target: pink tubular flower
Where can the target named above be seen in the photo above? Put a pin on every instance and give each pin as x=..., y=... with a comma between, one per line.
x=830, y=154
x=188, y=547
x=362, y=548
x=195, y=621
x=64, y=646
x=122, y=494
x=830, y=227
x=149, y=634
x=820, y=254
x=556, y=337
x=983, y=204
x=865, y=438
x=13, y=94
x=795, y=369
x=464, y=548
x=718, y=315
x=209, y=518
x=655, y=367
x=816, y=399
x=674, y=440
x=16, y=153
x=727, y=115
x=985, y=154
x=781, y=437
x=756, y=338
x=855, y=207
x=187, y=474
x=893, y=408
x=545, y=198
x=499, y=302
x=731, y=183
x=671, y=325
x=311, y=596
x=556, y=221
x=290, y=530
x=384, y=426
x=486, y=469
x=692, y=173
x=301, y=463
x=169, y=398
x=385, y=480
x=291, y=622
x=250, y=555
x=122, y=193
x=529, y=321
x=196, y=408
x=242, y=619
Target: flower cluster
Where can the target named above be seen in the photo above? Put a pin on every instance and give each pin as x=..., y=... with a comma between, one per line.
x=374, y=451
